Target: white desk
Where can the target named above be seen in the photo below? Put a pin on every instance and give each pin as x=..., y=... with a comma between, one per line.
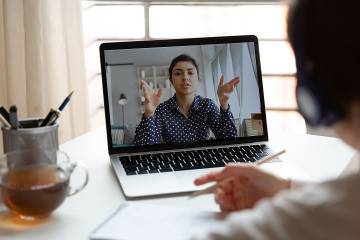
x=319, y=157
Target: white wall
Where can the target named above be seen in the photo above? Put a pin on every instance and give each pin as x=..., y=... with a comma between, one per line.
x=129, y=88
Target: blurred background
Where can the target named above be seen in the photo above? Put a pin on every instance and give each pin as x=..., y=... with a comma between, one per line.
x=50, y=47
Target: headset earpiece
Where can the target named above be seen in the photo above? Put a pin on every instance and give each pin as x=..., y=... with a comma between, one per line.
x=314, y=103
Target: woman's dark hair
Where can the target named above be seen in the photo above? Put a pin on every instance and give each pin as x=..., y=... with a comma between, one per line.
x=329, y=36
x=182, y=58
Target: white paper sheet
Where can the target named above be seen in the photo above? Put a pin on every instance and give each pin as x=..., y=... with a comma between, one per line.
x=135, y=221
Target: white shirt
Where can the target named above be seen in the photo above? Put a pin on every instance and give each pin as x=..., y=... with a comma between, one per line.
x=328, y=210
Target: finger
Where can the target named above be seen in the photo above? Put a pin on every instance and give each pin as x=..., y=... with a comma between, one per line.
x=244, y=199
x=239, y=197
x=227, y=209
x=235, y=195
x=229, y=86
x=235, y=81
x=225, y=201
x=149, y=89
x=221, y=82
x=219, y=195
x=146, y=93
x=210, y=177
x=159, y=92
x=144, y=84
x=226, y=186
x=236, y=170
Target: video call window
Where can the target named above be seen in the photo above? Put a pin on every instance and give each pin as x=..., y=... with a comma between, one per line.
x=125, y=68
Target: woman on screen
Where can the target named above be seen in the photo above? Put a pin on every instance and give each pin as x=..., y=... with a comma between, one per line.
x=328, y=96
x=185, y=117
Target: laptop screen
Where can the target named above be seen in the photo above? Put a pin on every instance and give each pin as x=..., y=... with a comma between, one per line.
x=183, y=93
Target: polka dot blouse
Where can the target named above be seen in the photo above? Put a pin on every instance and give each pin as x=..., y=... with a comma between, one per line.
x=169, y=125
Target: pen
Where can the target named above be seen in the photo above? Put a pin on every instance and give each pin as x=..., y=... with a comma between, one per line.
x=213, y=187
x=4, y=113
x=13, y=117
x=4, y=122
x=65, y=102
x=48, y=117
x=53, y=115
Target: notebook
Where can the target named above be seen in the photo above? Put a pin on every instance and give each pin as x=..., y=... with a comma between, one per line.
x=150, y=221
x=162, y=153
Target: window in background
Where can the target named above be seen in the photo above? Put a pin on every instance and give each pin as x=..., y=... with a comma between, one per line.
x=121, y=21
x=181, y=21
x=106, y=22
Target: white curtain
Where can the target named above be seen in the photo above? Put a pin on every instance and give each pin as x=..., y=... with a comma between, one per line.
x=42, y=61
x=238, y=60
x=227, y=67
x=223, y=65
x=236, y=53
x=216, y=72
x=250, y=95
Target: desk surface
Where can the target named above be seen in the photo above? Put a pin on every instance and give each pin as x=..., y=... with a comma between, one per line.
x=319, y=157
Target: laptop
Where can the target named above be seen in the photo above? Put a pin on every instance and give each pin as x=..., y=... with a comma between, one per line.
x=148, y=158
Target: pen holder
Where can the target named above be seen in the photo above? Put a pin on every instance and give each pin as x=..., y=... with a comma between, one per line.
x=42, y=141
x=32, y=136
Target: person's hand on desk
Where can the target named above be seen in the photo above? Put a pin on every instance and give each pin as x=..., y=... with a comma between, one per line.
x=247, y=186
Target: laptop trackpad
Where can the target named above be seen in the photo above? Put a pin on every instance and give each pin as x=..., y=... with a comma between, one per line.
x=186, y=178
x=151, y=184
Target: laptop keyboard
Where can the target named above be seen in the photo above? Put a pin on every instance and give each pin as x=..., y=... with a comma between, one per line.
x=188, y=160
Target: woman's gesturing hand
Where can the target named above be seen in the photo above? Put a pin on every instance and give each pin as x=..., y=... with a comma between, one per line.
x=224, y=90
x=247, y=186
x=152, y=98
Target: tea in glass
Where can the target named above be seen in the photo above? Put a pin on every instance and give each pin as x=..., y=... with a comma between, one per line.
x=34, y=191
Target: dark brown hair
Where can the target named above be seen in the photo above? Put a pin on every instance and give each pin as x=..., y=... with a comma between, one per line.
x=182, y=58
x=329, y=35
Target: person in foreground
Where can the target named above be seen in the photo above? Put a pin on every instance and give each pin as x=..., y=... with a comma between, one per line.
x=325, y=38
x=185, y=117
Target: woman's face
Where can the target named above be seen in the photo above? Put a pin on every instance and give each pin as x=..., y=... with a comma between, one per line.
x=184, y=78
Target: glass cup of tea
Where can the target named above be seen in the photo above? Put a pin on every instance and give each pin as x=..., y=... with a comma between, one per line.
x=34, y=182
